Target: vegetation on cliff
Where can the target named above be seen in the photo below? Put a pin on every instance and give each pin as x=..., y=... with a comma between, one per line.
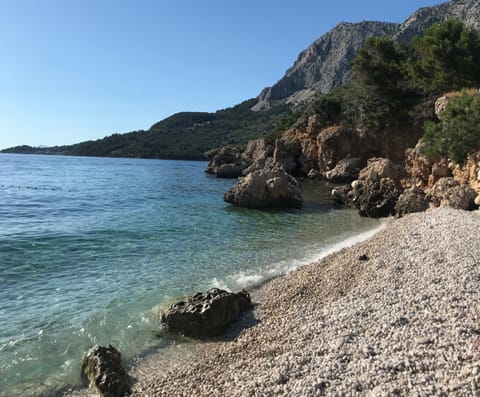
x=392, y=86
x=458, y=131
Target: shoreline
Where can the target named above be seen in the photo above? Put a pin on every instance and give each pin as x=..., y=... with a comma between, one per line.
x=326, y=328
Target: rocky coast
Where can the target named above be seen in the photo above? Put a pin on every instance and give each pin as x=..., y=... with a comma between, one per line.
x=398, y=314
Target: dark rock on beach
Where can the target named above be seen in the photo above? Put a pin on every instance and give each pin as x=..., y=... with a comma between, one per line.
x=270, y=187
x=206, y=314
x=375, y=199
x=102, y=367
x=411, y=201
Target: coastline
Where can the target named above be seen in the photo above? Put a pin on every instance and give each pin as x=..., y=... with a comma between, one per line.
x=401, y=319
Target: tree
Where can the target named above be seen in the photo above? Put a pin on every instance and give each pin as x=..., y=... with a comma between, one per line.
x=458, y=131
x=378, y=89
x=446, y=58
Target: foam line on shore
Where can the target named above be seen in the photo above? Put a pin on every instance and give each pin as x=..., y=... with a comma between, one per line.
x=252, y=279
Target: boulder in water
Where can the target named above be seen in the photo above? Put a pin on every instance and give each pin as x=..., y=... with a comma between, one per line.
x=206, y=314
x=102, y=366
x=270, y=187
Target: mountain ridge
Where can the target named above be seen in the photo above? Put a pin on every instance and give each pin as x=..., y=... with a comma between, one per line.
x=319, y=68
x=332, y=61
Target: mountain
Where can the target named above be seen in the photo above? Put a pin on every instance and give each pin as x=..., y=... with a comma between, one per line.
x=325, y=64
x=320, y=68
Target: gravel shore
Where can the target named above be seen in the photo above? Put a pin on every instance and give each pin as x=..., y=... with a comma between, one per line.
x=396, y=315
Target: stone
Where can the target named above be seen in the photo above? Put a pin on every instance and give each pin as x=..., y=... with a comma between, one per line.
x=258, y=153
x=378, y=168
x=206, y=314
x=375, y=199
x=410, y=201
x=424, y=171
x=226, y=162
x=441, y=104
x=286, y=155
x=449, y=192
x=340, y=194
x=102, y=367
x=346, y=170
x=270, y=187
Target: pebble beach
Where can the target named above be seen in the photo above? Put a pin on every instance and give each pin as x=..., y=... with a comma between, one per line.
x=398, y=314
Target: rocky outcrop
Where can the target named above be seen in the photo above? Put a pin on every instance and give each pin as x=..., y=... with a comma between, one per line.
x=410, y=201
x=232, y=162
x=341, y=195
x=469, y=172
x=286, y=155
x=270, y=187
x=374, y=199
x=325, y=64
x=379, y=168
x=257, y=153
x=102, y=367
x=465, y=10
x=226, y=162
x=424, y=171
x=376, y=191
x=346, y=170
x=206, y=314
x=449, y=192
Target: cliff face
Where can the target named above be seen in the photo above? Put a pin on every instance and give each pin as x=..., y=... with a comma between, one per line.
x=325, y=64
x=467, y=11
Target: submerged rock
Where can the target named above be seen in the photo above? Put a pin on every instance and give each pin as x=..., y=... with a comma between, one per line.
x=102, y=367
x=270, y=187
x=206, y=314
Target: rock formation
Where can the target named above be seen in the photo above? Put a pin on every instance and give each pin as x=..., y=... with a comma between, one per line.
x=346, y=170
x=411, y=200
x=226, y=162
x=449, y=192
x=270, y=187
x=374, y=199
x=206, y=314
x=324, y=65
x=102, y=367
x=232, y=162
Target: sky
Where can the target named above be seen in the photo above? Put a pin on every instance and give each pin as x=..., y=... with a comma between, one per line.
x=74, y=70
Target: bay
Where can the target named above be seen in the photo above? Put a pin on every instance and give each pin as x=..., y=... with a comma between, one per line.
x=92, y=248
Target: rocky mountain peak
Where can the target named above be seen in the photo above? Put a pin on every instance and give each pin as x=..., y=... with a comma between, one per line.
x=325, y=64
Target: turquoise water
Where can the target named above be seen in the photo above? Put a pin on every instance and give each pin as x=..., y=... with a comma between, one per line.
x=91, y=248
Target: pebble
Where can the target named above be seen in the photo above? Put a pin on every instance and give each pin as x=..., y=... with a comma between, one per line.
x=402, y=323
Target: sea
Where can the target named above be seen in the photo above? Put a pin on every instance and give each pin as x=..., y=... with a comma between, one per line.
x=92, y=249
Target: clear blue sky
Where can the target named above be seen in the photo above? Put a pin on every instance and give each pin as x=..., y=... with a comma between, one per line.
x=73, y=70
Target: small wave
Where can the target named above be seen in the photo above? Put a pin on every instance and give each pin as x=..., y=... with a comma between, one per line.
x=252, y=279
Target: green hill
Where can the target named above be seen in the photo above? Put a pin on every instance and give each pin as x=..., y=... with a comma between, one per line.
x=185, y=135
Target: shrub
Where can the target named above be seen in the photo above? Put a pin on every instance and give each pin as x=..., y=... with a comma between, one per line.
x=457, y=133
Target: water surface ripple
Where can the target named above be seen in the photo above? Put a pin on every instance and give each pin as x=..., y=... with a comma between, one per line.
x=90, y=248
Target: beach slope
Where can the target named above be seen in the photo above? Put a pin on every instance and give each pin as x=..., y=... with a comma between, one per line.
x=396, y=315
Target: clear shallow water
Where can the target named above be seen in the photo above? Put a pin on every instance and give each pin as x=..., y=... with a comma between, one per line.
x=90, y=248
